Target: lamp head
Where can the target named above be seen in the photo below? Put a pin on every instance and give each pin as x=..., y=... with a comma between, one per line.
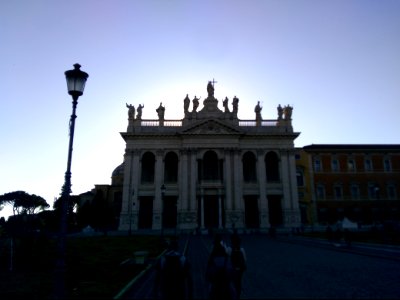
x=76, y=80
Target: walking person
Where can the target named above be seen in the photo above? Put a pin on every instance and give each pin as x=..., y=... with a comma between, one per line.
x=238, y=260
x=173, y=275
x=219, y=272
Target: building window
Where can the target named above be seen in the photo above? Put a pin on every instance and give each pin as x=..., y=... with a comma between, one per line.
x=368, y=165
x=373, y=191
x=391, y=192
x=272, y=167
x=317, y=165
x=387, y=166
x=338, y=192
x=299, y=177
x=351, y=165
x=355, y=191
x=335, y=165
x=249, y=167
x=320, y=191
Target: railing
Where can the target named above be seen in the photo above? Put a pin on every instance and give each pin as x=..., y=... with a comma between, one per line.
x=178, y=123
x=156, y=123
x=253, y=123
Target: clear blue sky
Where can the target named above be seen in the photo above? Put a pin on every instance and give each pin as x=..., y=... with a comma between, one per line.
x=336, y=62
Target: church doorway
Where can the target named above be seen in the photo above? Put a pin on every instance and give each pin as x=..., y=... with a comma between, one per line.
x=211, y=211
x=169, y=212
x=252, y=219
x=145, y=212
x=275, y=210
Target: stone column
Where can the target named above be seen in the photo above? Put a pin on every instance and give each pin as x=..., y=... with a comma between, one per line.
x=202, y=210
x=262, y=182
x=238, y=190
x=158, y=182
x=135, y=169
x=126, y=210
x=193, y=178
x=183, y=180
x=290, y=198
x=219, y=211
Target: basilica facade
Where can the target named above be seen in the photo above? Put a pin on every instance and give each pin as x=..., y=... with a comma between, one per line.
x=208, y=170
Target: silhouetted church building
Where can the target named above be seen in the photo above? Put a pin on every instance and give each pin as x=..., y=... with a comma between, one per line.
x=209, y=169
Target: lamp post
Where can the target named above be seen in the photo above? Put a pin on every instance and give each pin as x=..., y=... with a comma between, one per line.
x=76, y=80
x=162, y=208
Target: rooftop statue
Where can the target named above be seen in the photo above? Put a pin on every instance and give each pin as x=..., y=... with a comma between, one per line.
x=257, y=110
x=287, y=110
x=160, y=111
x=131, y=111
x=195, y=103
x=235, y=104
x=186, y=103
x=280, y=112
x=225, y=103
x=210, y=89
x=139, y=112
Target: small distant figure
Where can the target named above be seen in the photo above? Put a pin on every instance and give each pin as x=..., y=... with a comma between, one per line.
x=195, y=103
x=238, y=260
x=173, y=275
x=160, y=111
x=131, y=111
x=139, y=112
x=220, y=273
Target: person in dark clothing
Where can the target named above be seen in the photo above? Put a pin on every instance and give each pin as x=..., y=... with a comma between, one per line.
x=238, y=260
x=219, y=272
x=173, y=275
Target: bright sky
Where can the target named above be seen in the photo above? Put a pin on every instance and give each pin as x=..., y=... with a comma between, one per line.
x=336, y=62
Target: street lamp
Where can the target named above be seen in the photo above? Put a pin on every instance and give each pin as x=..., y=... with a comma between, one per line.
x=162, y=211
x=76, y=80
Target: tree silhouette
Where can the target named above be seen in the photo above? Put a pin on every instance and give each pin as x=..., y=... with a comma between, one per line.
x=23, y=203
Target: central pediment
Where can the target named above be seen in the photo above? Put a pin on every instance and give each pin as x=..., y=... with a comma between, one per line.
x=211, y=126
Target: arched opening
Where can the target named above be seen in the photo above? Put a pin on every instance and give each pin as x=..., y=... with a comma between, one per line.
x=249, y=167
x=148, y=163
x=210, y=168
x=171, y=168
x=272, y=167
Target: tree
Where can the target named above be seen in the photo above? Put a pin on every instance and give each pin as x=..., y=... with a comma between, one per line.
x=23, y=203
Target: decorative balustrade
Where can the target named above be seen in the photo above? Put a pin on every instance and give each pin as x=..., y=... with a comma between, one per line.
x=178, y=123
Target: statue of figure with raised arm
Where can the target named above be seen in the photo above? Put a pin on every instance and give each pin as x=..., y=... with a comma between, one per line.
x=195, y=103
x=139, y=112
x=131, y=111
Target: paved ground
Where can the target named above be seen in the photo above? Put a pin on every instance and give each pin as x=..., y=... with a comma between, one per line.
x=298, y=268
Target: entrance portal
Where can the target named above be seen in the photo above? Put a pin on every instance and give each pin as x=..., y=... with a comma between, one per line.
x=145, y=212
x=211, y=211
x=275, y=210
x=252, y=219
x=169, y=212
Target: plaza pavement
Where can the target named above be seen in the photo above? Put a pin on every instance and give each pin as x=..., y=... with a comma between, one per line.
x=296, y=267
